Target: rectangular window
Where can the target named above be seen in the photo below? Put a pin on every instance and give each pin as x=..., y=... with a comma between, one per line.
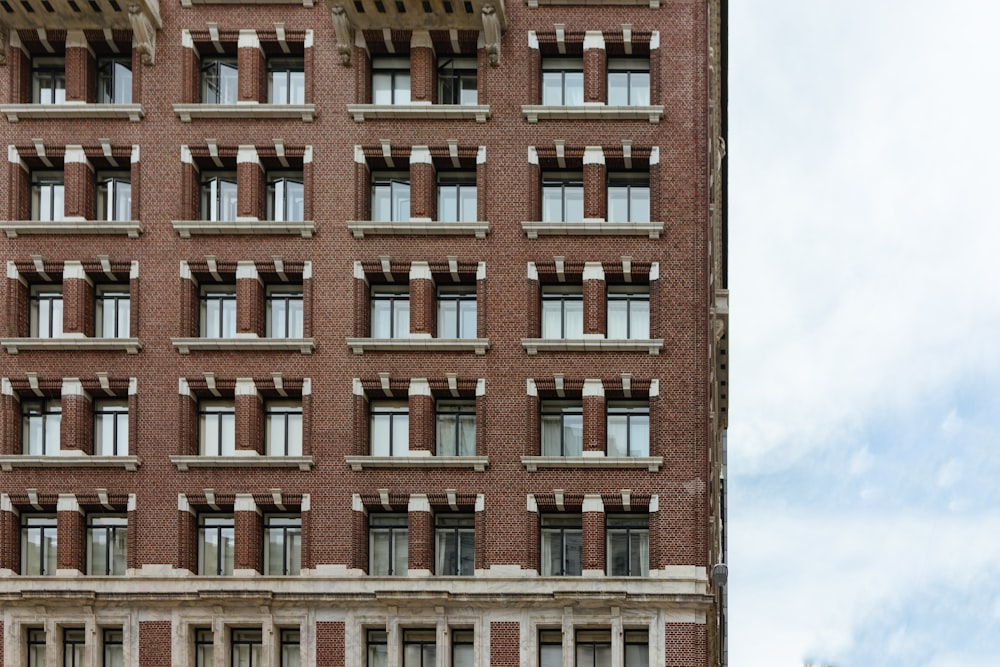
x=628, y=82
x=550, y=648
x=218, y=311
x=628, y=197
x=388, y=544
x=377, y=643
x=48, y=80
x=107, y=545
x=39, y=544
x=593, y=648
x=283, y=428
x=204, y=648
x=456, y=192
x=215, y=544
x=390, y=196
x=390, y=80
x=40, y=425
x=217, y=428
x=562, y=545
x=114, y=648
x=562, y=428
x=113, y=308
x=456, y=77
x=562, y=311
x=74, y=645
x=35, y=645
x=219, y=81
x=628, y=428
x=48, y=196
x=284, y=311
x=456, y=312
x=562, y=81
x=286, y=81
x=636, y=648
x=114, y=196
x=628, y=545
x=283, y=545
x=218, y=196
x=45, y=311
x=389, y=428
x=285, y=197
x=114, y=81
x=456, y=428
x=562, y=196
x=628, y=312
x=111, y=427
x=247, y=645
x=455, y=545
x=390, y=316
x=290, y=650
x=463, y=646
x=420, y=648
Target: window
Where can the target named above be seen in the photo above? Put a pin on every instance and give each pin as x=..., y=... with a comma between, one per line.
x=215, y=544
x=45, y=311
x=284, y=311
x=218, y=196
x=114, y=196
x=285, y=197
x=420, y=648
x=218, y=311
x=219, y=81
x=74, y=646
x=39, y=544
x=456, y=428
x=388, y=544
x=36, y=647
x=290, y=651
x=562, y=311
x=114, y=81
x=456, y=77
x=628, y=82
x=562, y=196
x=628, y=197
x=463, y=652
x=628, y=428
x=48, y=196
x=390, y=80
x=628, y=312
x=593, y=648
x=562, y=428
x=562, y=81
x=111, y=428
x=636, y=648
x=456, y=312
x=390, y=196
x=550, y=648
x=40, y=425
x=377, y=642
x=390, y=316
x=114, y=649
x=562, y=545
x=628, y=545
x=283, y=536
x=457, y=196
x=455, y=544
x=217, y=428
x=286, y=81
x=112, y=311
x=246, y=647
x=390, y=428
x=204, y=648
x=107, y=544
x=283, y=428
x=48, y=80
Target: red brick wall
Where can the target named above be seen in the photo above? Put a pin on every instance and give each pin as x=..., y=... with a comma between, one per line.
x=505, y=644
x=686, y=645
x=330, y=643
x=154, y=643
x=71, y=552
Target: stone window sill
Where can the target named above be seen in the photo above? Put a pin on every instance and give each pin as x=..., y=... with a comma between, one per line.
x=362, y=112
x=536, y=112
x=189, y=3
x=535, y=463
x=245, y=111
x=63, y=460
x=535, y=345
x=75, y=344
x=251, y=460
x=185, y=228
x=362, y=345
x=130, y=228
x=72, y=110
x=592, y=228
x=476, y=463
x=250, y=343
x=419, y=228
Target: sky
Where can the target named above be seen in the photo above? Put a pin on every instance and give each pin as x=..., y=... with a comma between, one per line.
x=864, y=424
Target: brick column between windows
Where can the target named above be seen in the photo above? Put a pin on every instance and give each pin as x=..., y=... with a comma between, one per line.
x=10, y=536
x=79, y=184
x=308, y=70
x=595, y=191
x=189, y=186
x=249, y=184
x=78, y=297
x=505, y=644
x=10, y=421
x=659, y=537
x=422, y=320
x=19, y=62
x=189, y=302
x=534, y=70
x=593, y=535
x=594, y=300
x=421, y=67
x=133, y=416
x=307, y=405
x=482, y=87
x=134, y=300
x=422, y=184
x=361, y=425
x=132, y=537
x=16, y=324
x=306, y=555
x=251, y=68
x=249, y=301
x=249, y=417
x=308, y=183
x=534, y=300
x=655, y=301
x=155, y=643
x=481, y=300
x=249, y=535
x=482, y=183
x=187, y=536
x=482, y=407
x=594, y=418
x=135, y=183
x=362, y=75
x=595, y=65
x=533, y=416
x=187, y=420
x=70, y=527
x=362, y=186
x=421, y=535
x=534, y=186
x=78, y=54
x=75, y=433
x=479, y=534
x=19, y=206
x=137, y=72
x=421, y=406
x=190, y=70
x=330, y=643
x=656, y=435
x=359, y=533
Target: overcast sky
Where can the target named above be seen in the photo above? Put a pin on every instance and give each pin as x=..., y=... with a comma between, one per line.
x=864, y=439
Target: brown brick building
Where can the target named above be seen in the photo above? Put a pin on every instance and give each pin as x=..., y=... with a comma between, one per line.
x=363, y=333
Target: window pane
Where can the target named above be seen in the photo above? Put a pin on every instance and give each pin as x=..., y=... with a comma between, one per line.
x=551, y=432
x=639, y=93
x=617, y=88
x=639, y=435
x=574, y=553
x=380, y=430
x=400, y=551
x=467, y=195
x=401, y=318
x=401, y=94
x=618, y=318
x=574, y=318
x=119, y=551
x=618, y=204
x=574, y=88
x=552, y=204
x=467, y=435
x=640, y=318
x=401, y=201
x=550, y=656
x=551, y=319
x=573, y=435
x=381, y=318
x=400, y=434
x=574, y=203
x=552, y=88
x=617, y=435
x=97, y=551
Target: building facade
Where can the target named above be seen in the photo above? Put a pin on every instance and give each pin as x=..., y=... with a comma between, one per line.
x=363, y=333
